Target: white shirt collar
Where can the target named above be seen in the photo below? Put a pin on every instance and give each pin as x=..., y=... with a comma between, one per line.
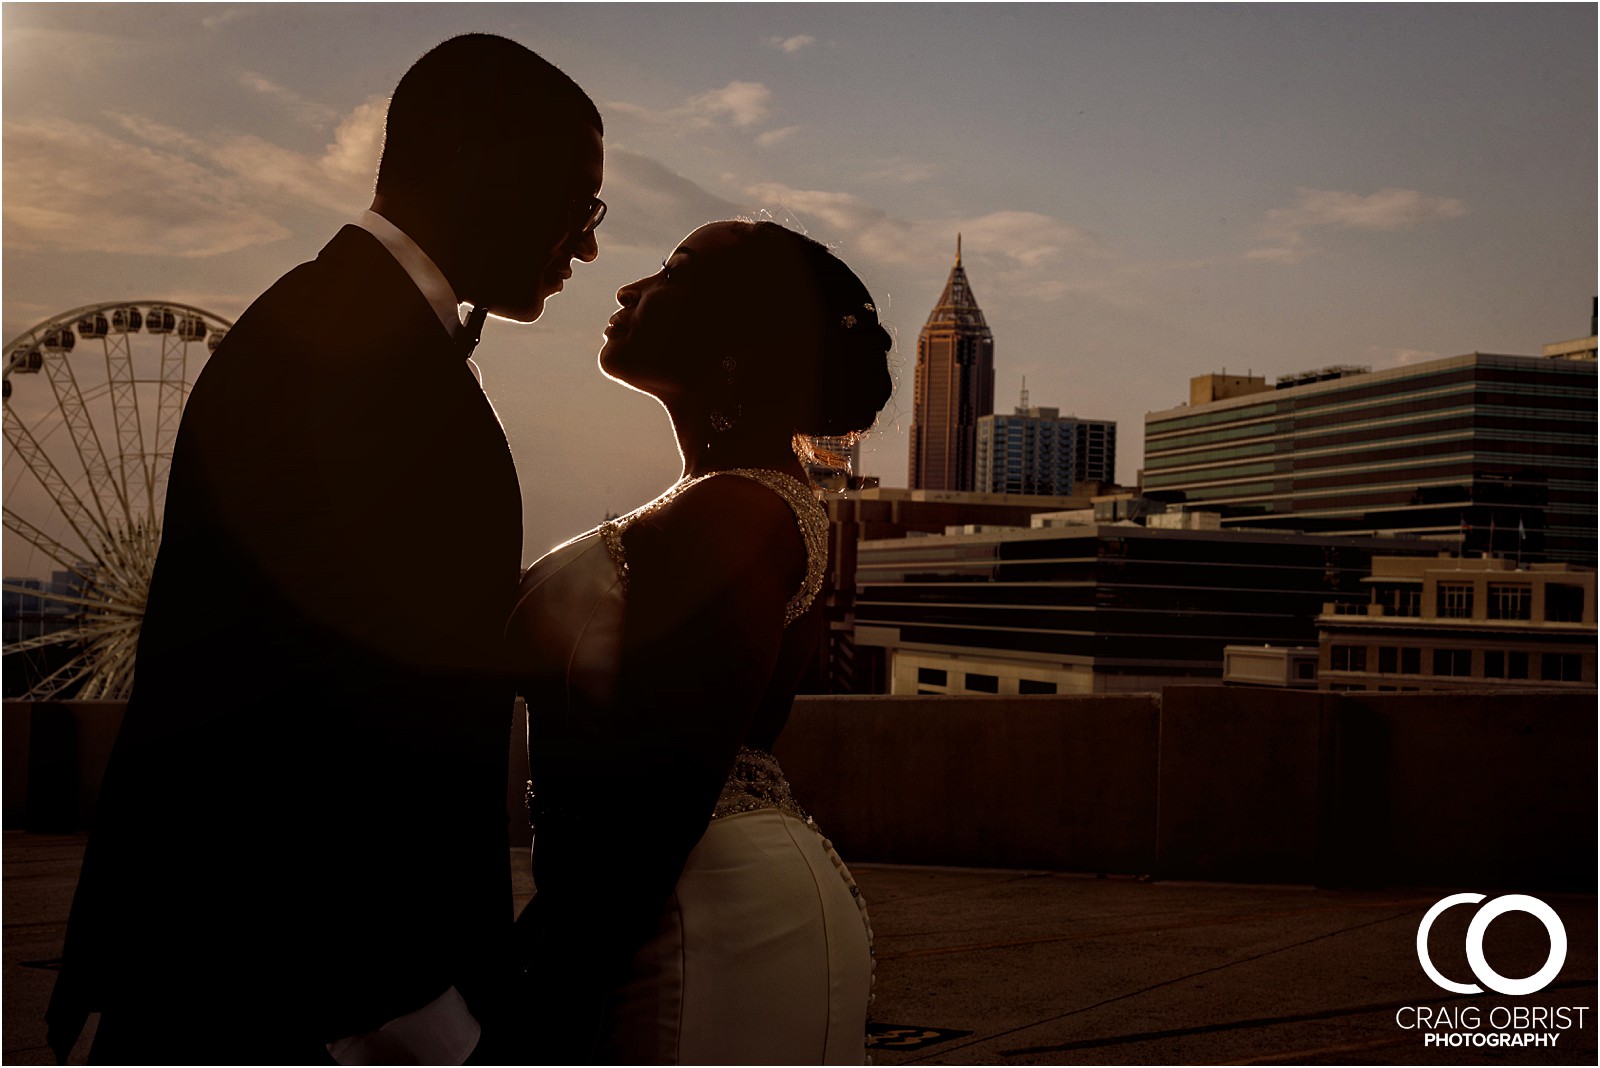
x=422, y=270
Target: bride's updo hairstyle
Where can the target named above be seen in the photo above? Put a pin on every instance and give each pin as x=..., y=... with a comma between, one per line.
x=834, y=342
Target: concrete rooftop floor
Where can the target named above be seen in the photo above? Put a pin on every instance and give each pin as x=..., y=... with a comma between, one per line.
x=1047, y=968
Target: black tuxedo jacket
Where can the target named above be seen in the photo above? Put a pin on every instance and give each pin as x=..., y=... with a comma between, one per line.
x=302, y=833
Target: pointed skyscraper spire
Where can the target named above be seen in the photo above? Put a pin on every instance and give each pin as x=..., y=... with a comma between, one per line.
x=957, y=305
x=954, y=387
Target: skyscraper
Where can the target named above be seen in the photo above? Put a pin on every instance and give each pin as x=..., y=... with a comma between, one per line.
x=1038, y=450
x=955, y=387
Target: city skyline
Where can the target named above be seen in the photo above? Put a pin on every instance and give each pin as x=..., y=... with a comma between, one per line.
x=1145, y=193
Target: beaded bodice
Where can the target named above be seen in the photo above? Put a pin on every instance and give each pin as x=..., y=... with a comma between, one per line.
x=809, y=515
x=756, y=782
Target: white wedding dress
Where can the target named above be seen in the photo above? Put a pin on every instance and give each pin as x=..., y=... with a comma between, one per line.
x=763, y=952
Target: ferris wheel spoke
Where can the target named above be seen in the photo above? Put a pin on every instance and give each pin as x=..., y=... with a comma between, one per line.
x=51, y=548
x=125, y=415
x=27, y=449
x=129, y=556
x=63, y=679
x=105, y=491
x=77, y=600
x=171, y=395
x=113, y=660
x=43, y=641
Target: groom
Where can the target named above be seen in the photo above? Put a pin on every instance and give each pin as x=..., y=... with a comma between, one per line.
x=301, y=837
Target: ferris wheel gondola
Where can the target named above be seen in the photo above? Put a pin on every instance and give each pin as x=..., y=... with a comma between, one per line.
x=92, y=399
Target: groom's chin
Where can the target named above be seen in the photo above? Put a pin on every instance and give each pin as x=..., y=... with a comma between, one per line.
x=521, y=313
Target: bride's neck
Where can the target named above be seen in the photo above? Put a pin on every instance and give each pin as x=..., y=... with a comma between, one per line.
x=705, y=450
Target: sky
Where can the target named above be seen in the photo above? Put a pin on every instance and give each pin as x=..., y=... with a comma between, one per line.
x=1145, y=193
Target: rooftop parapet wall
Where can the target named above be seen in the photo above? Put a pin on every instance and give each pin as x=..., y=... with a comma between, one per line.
x=1470, y=790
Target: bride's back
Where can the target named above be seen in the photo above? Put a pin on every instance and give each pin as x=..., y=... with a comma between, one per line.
x=679, y=881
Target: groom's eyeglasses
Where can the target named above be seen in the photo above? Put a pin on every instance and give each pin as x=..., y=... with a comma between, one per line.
x=588, y=212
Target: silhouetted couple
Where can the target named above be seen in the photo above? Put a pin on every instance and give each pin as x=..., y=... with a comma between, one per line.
x=300, y=849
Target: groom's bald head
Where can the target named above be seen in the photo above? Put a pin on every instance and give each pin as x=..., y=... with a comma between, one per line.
x=491, y=160
x=471, y=95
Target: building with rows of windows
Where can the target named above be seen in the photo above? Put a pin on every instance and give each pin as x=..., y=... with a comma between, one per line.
x=1090, y=607
x=1441, y=624
x=1485, y=453
x=1039, y=451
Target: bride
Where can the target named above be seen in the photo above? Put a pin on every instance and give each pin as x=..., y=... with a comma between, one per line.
x=688, y=911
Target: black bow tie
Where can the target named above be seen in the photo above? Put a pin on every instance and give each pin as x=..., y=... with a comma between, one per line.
x=472, y=330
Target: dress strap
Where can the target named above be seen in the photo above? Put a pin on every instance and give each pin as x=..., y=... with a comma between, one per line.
x=809, y=516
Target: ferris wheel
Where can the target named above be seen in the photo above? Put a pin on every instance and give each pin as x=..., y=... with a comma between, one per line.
x=92, y=402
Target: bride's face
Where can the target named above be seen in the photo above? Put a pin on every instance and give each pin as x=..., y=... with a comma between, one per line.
x=674, y=326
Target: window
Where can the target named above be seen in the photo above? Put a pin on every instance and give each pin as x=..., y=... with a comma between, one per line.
x=983, y=683
x=1563, y=603
x=1388, y=659
x=1305, y=669
x=1407, y=601
x=932, y=676
x=1411, y=661
x=1510, y=600
x=1455, y=601
x=1452, y=662
x=1503, y=665
x=1561, y=667
x=1035, y=686
x=1348, y=658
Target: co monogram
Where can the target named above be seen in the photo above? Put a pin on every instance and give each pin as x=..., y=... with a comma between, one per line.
x=1475, y=931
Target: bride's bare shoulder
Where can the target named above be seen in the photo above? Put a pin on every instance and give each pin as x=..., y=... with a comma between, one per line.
x=725, y=529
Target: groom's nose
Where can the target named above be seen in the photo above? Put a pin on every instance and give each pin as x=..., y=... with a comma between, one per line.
x=586, y=248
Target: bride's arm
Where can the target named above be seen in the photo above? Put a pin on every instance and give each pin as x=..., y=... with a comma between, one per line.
x=709, y=577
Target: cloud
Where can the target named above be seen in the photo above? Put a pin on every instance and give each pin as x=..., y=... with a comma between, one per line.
x=844, y=218
x=772, y=137
x=738, y=104
x=159, y=134
x=339, y=180
x=308, y=111
x=1383, y=357
x=902, y=170
x=33, y=51
x=792, y=44
x=75, y=188
x=150, y=188
x=1386, y=211
x=1027, y=237
x=655, y=205
x=1022, y=252
x=218, y=19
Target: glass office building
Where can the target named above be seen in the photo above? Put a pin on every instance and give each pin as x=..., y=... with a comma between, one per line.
x=1485, y=453
x=1037, y=450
